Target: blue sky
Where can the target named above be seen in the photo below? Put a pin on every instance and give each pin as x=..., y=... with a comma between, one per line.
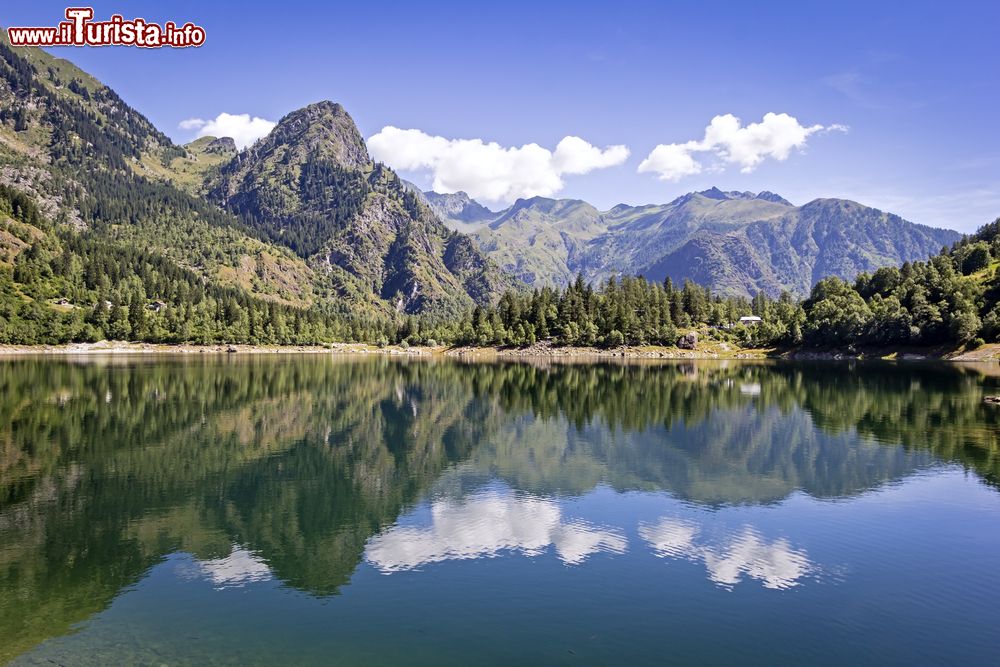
x=915, y=83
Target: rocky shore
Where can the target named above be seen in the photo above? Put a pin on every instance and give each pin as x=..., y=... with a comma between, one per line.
x=539, y=350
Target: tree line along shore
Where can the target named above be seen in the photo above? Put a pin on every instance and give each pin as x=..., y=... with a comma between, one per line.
x=72, y=287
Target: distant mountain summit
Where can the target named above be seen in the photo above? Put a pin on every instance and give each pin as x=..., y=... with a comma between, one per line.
x=716, y=193
x=459, y=210
x=220, y=146
x=771, y=197
x=735, y=242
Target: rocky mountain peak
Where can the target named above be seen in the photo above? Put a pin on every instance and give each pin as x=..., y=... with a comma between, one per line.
x=767, y=195
x=714, y=193
x=221, y=146
x=322, y=129
x=458, y=210
x=722, y=195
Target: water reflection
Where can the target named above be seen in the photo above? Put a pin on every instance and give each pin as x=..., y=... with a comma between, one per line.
x=486, y=524
x=732, y=455
x=239, y=568
x=775, y=563
x=301, y=469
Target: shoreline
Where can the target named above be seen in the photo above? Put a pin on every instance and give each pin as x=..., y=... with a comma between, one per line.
x=986, y=353
x=460, y=353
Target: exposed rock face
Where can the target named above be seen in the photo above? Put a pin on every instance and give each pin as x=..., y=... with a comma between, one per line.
x=322, y=128
x=221, y=146
x=320, y=131
x=688, y=341
x=458, y=210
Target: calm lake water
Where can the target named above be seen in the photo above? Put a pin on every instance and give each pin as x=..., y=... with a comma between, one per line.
x=322, y=510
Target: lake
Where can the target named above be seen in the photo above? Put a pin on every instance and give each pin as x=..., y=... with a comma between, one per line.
x=320, y=510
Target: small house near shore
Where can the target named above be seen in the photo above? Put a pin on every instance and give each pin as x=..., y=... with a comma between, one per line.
x=750, y=320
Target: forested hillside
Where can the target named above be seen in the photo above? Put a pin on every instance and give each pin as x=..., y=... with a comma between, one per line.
x=951, y=300
x=58, y=286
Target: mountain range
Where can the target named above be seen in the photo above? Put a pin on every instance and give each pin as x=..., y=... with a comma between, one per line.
x=736, y=242
x=304, y=217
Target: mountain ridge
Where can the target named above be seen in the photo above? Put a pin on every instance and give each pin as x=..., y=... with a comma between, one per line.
x=736, y=242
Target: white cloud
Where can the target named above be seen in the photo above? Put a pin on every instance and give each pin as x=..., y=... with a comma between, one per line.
x=672, y=161
x=486, y=525
x=732, y=143
x=575, y=156
x=241, y=127
x=191, y=124
x=489, y=171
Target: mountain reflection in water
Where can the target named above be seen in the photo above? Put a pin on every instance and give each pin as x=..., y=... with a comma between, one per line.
x=301, y=470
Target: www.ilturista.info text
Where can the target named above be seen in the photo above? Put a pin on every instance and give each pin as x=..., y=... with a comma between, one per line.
x=80, y=30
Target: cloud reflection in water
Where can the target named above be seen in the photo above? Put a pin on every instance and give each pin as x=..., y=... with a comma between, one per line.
x=239, y=568
x=484, y=526
x=776, y=564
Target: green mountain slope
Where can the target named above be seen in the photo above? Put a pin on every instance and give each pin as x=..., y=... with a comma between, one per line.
x=738, y=243
x=299, y=239
x=311, y=186
x=540, y=240
x=826, y=237
x=84, y=156
x=639, y=236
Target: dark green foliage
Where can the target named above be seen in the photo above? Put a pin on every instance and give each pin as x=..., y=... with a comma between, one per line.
x=16, y=204
x=122, y=291
x=836, y=314
x=973, y=257
x=937, y=302
x=626, y=311
x=943, y=301
x=171, y=152
x=329, y=195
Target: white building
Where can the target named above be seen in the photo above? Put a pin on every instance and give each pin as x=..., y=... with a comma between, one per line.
x=750, y=319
